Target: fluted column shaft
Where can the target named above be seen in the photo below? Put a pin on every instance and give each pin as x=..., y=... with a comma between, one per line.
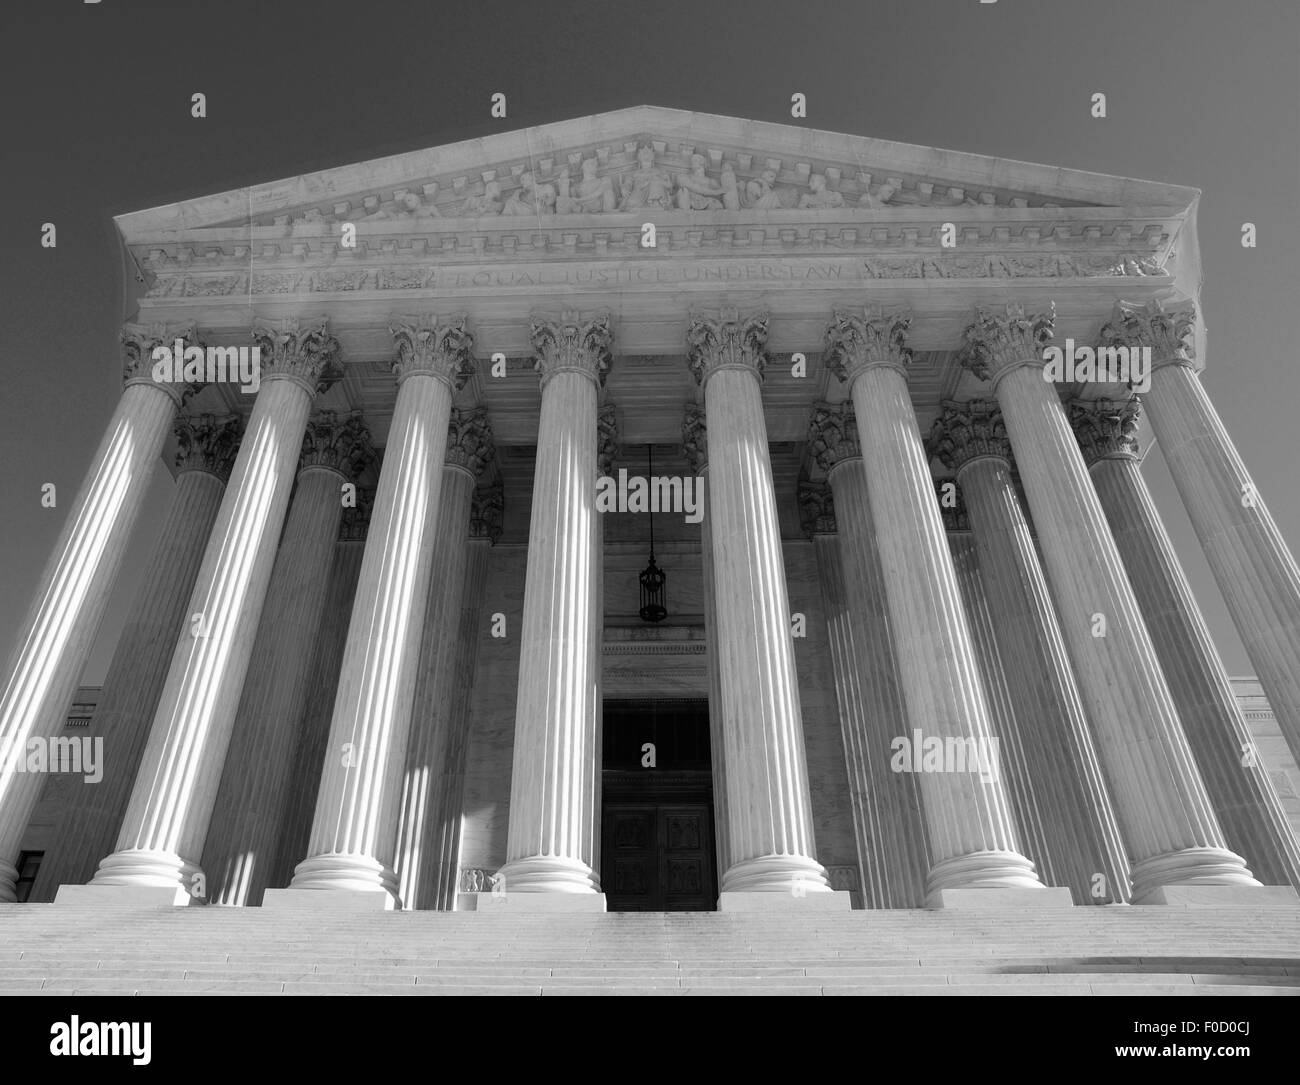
x=322, y=686
x=972, y=835
x=769, y=812
x=88, y=827
x=59, y=628
x=1013, y=766
x=249, y=811
x=552, y=840
x=890, y=829
x=1160, y=801
x=434, y=688
x=354, y=831
x=420, y=826
x=171, y=805
x=717, y=739
x=1082, y=834
x=1244, y=799
x=889, y=824
x=444, y=857
x=695, y=442
x=1255, y=570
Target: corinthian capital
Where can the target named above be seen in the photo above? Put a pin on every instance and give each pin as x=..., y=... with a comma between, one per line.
x=729, y=342
x=299, y=350
x=341, y=444
x=1167, y=328
x=695, y=438
x=572, y=345
x=1106, y=429
x=433, y=347
x=967, y=431
x=998, y=342
x=207, y=442
x=140, y=342
x=816, y=508
x=833, y=435
x=469, y=440
x=856, y=342
x=486, y=510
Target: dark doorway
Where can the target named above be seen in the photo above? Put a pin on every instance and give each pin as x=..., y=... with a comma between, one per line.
x=657, y=850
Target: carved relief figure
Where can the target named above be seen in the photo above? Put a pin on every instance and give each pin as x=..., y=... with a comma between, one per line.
x=533, y=198
x=881, y=199
x=410, y=206
x=819, y=197
x=696, y=191
x=487, y=204
x=761, y=191
x=647, y=185
x=592, y=195
x=952, y=201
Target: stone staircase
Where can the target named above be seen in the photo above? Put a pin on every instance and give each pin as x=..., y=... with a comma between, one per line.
x=47, y=949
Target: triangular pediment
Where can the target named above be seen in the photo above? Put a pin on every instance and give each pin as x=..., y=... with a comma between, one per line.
x=697, y=163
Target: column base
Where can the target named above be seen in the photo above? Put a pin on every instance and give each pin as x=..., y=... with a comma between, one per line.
x=358, y=874
x=791, y=875
x=143, y=868
x=982, y=870
x=123, y=896
x=1190, y=867
x=548, y=874
x=321, y=899
x=831, y=901
x=1010, y=901
x=1221, y=896
x=515, y=903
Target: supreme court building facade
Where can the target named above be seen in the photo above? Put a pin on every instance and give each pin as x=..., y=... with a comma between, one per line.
x=925, y=632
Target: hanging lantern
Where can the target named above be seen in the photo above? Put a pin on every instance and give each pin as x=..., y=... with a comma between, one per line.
x=653, y=578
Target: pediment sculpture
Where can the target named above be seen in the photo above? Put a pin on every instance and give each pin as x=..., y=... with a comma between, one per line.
x=648, y=185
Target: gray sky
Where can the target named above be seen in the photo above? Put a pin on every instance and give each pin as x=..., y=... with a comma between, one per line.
x=1200, y=92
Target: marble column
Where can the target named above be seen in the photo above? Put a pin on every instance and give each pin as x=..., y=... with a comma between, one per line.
x=354, y=831
x=439, y=680
x=1164, y=813
x=769, y=812
x=1011, y=764
x=322, y=686
x=167, y=817
x=1080, y=831
x=607, y=452
x=1254, y=823
x=248, y=815
x=889, y=823
x=972, y=835
x=552, y=841
x=695, y=442
x=484, y=530
x=59, y=628
x=88, y=826
x=1256, y=572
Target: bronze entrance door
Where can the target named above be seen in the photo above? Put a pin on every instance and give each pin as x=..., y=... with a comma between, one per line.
x=657, y=852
